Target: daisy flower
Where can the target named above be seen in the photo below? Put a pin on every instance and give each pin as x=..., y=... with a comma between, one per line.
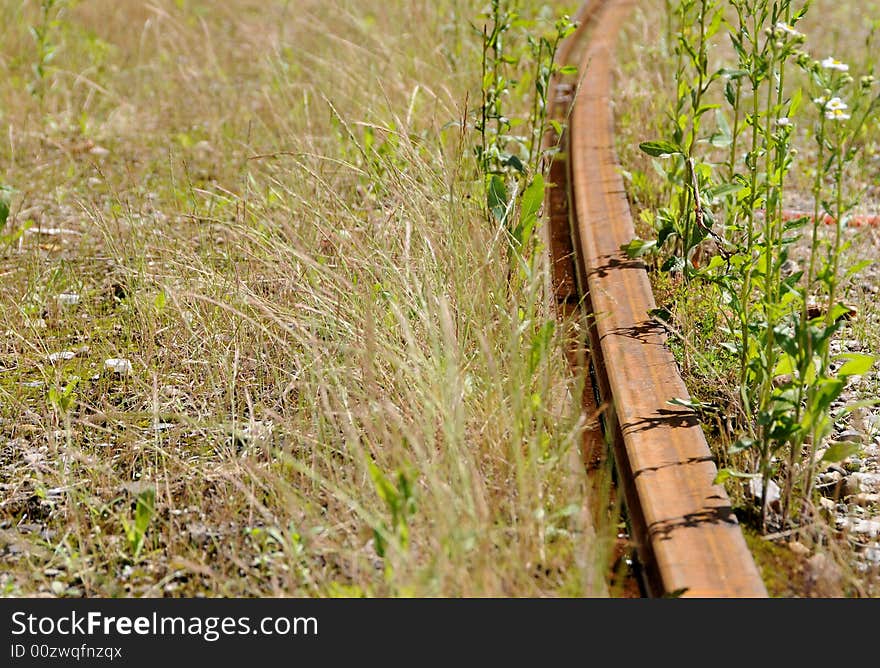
x=788, y=29
x=831, y=63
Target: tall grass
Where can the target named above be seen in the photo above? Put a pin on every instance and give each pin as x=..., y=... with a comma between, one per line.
x=730, y=164
x=276, y=215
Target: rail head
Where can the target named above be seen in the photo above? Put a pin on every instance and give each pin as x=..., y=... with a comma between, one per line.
x=688, y=539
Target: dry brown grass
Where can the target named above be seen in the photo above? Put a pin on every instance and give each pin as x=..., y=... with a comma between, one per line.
x=270, y=209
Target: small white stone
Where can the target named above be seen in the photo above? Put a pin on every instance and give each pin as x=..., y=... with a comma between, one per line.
x=52, y=231
x=862, y=482
x=63, y=355
x=118, y=365
x=774, y=493
x=863, y=526
x=865, y=499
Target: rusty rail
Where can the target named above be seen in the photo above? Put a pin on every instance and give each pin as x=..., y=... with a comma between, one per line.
x=687, y=538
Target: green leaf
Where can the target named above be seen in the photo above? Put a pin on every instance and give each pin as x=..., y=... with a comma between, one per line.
x=856, y=364
x=706, y=108
x=741, y=445
x=532, y=199
x=516, y=163
x=673, y=264
x=730, y=93
x=639, y=247
x=796, y=100
x=828, y=390
x=840, y=451
x=839, y=311
x=146, y=504
x=720, y=140
x=660, y=313
x=689, y=403
x=678, y=593
x=143, y=515
x=715, y=262
x=724, y=474
x=725, y=189
x=722, y=123
x=497, y=198
x=5, y=198
x=660, y=148
x=540, y=344
x=384, y=489
x=787, y=364
x=857, y=267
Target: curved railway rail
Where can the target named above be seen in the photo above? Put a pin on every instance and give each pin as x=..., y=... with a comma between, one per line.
x=687, y=538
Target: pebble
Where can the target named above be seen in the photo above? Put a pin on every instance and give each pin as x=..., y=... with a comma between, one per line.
x=851, y=486
x=830, y=483
x=853, y=344
x=200, y=533
x=799, y=548
x=774, y=493
x=789, y=267
x=118, y=366
x=63, y=355
x=838, y=468
x=851, y=436
x=860, y=525
x=863, y=419
x=865, y=499
x=861, y=482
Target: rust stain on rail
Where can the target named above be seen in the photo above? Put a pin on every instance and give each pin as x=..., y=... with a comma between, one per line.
x=687, y=537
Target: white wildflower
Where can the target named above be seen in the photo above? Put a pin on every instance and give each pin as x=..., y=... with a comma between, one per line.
x=836, y=115
x=784, y=122
x=831, y=63
x=788, y=29
x=118, y=365
x=835, y=104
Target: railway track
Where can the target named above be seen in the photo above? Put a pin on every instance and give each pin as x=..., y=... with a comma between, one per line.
x=687, y=539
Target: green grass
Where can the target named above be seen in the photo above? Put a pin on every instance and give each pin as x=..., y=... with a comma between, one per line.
x=644, y=90
x=271, y=209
